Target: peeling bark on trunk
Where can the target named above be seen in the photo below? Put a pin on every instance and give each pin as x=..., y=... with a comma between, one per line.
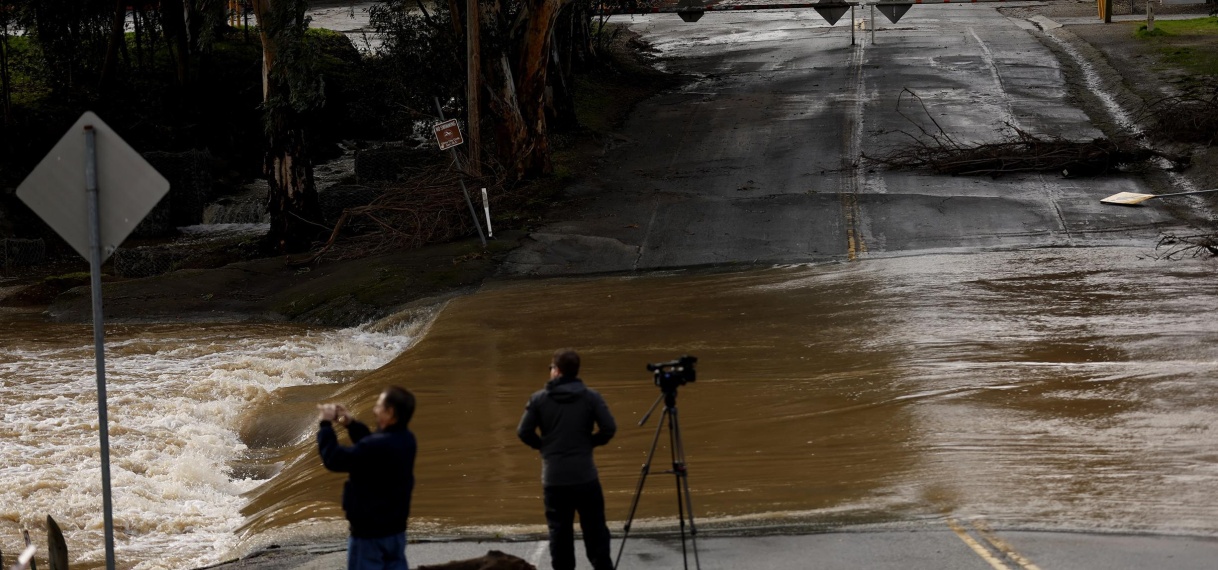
x=510, y=136
x=291, y=196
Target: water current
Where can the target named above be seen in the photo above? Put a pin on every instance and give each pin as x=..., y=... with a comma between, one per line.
x=1069, y=389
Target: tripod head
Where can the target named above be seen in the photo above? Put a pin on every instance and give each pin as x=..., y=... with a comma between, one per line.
x=669, y=376
x=674, y=373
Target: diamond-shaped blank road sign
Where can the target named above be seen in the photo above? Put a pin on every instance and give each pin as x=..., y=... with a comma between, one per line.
x=127, y=187
x=831, y=11
x=893, y=10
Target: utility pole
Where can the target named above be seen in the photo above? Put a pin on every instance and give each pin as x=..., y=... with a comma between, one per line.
x=473, y=80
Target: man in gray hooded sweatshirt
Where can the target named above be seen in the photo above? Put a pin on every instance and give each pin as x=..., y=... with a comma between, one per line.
x=566, y=411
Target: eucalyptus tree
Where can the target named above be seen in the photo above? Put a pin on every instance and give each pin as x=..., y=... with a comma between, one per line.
x=292, y=91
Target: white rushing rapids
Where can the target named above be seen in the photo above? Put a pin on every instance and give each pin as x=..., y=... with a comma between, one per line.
x=177, y=395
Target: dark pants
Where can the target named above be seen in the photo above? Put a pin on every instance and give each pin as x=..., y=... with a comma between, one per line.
x=388, y=553
x=562, y=502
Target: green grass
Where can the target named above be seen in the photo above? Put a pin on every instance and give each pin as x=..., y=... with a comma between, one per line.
x=1188, y=44
x=1143, y=33
x=1193, y=27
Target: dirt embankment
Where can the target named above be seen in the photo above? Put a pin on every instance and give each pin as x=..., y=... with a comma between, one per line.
x=1109, y=61
x=346, y=292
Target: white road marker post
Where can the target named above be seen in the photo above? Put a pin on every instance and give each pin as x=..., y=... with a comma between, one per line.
x=486, y=207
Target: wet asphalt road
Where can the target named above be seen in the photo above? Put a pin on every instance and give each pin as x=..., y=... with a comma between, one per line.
x=968, y=549
x=759, y=161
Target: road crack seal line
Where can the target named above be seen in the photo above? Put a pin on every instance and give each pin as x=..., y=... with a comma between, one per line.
x=851, y=180
x=647, y=233
x=1054, y=193
x=988, y=57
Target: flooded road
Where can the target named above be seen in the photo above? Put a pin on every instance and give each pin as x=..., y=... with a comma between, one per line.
x=1045, y=389
x=1057, y=389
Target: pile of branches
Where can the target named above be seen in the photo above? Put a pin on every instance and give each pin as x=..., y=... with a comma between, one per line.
x=1021, y=152
x=1178, y=247
x=427, y=207
x=1188, y=118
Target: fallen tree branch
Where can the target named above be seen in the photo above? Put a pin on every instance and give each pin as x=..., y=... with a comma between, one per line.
x=1019, y=152
x=1179, y=247
x=427, y=207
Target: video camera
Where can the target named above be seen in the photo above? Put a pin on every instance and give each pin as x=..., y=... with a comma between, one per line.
x=669, y=375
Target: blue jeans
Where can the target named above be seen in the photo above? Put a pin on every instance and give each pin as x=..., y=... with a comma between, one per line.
x=386, y=553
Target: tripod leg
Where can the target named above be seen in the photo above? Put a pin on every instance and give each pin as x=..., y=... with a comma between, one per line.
x=678, y=470
x=638, y=491
x=683, y=481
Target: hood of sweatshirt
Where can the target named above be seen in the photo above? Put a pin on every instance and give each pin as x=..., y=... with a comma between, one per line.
x=564, y=389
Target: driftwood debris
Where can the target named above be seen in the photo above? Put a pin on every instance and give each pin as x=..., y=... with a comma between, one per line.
x=492, y=560
x=1020, y=152
x=426, y=207
x=1191, y=117
x=1179, y=247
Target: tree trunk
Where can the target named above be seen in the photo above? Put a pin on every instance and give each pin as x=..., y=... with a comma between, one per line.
x=6, y=88
x=473, y=85
x=173, y=22
x=291, y=196
x=560, y=99
x=116, y=36
x=533, y=64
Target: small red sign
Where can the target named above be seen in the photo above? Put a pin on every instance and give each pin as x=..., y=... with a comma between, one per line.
x=448, y=134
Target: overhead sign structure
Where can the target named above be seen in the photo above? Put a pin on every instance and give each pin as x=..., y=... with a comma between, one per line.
x=93, y=189
x=893, y=10
x=55, y=190
x=832, y=11
x=448, y=134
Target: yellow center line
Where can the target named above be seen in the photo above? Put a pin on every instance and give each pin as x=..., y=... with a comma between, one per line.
x=1003, y=546
x=976, y=546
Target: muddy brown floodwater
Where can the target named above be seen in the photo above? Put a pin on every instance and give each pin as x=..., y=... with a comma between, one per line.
x=1055, y=388
x=1069, y=389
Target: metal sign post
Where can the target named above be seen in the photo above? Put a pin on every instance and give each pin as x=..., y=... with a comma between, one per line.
x=132, y=187
x=99, y=333
x=452, y=146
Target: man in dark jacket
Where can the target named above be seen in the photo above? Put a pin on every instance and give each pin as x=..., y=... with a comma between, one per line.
x=376, y=496
x=566, y=411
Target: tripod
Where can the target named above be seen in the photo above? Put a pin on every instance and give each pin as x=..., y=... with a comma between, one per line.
x=669, y=396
